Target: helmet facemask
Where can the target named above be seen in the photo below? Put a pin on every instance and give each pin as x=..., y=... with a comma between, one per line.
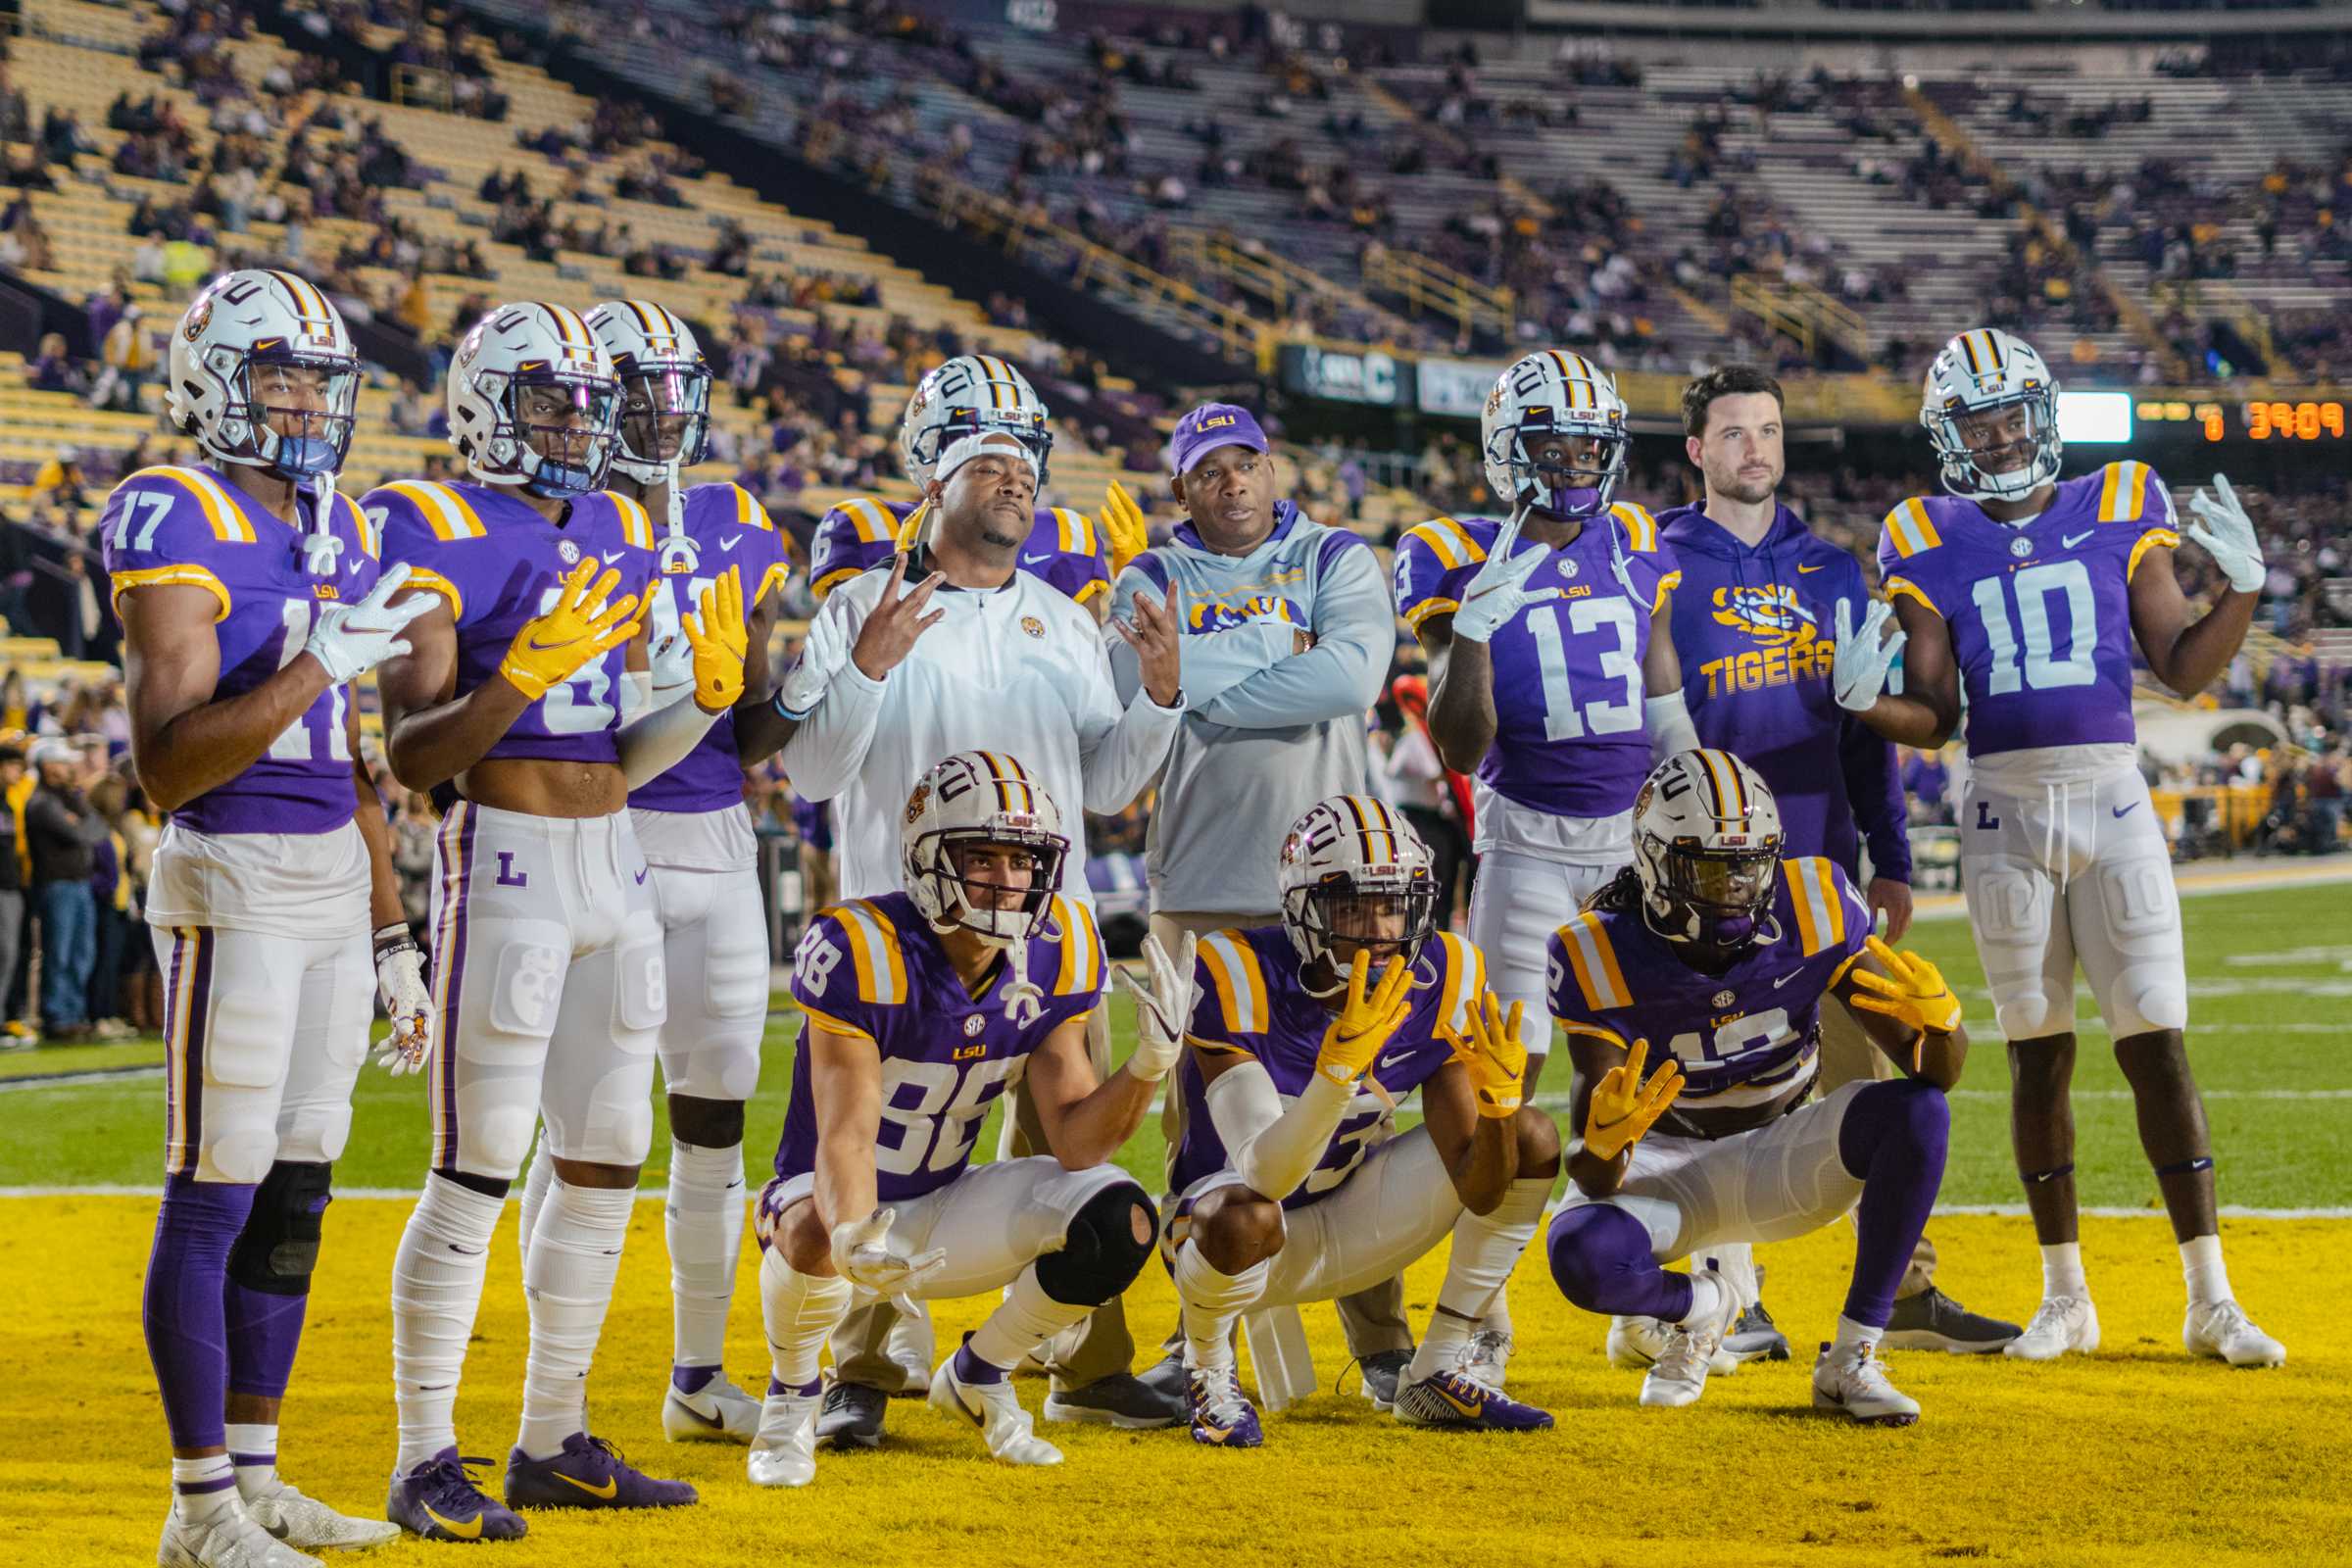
x=2017, y=434
x=664, y=420
x=560, y=429
x=1382, y=914
x=311, y=396
x=952, y=898
x=1562, y=465
x=1716, y=900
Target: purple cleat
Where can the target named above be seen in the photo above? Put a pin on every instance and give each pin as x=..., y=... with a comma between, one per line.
x=438, y=1500
x=1222, y=1417
x=589, y=1473
x=1463, y=1404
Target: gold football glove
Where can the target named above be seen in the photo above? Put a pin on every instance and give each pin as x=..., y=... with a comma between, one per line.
x=551, y=649
x=1623, y=1107
x=719, y=640
x=1365, y=1021
x=1122, y=527
x=1489, y=1051
x=1912, y=991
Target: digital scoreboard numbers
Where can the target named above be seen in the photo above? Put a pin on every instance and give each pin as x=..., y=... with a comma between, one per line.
x=2305, y=420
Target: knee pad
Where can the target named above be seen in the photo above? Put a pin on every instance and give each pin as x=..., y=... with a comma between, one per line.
x=1592, y=1245
x=278, y=1246
x=315, y=1133
x=499, y=1139
x=242, y=1155
x=1109, y=1241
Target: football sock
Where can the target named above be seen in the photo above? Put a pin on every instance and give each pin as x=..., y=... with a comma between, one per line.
x=704, y=1221
x=1499, y=1310
x=1853, y=1335
x=542, y=1170
x=1707, y=1292
x=2201, y=1264
x=252, y=1450
x=265, y=1329
x=970, y=1369
x=1486, y=1248
x=204, y=1487
x=185, y=1319
x=1023, y=1321
x=1892, y=1139
x=1212, y=1300
x=2062, y=1271
x=800, y=1313
x=567, y=1277
x=1602, y=1261
x=436, y=1291
x=1734, y=1260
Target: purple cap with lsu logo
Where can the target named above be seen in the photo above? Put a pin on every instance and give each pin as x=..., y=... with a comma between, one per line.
x=1210, y=426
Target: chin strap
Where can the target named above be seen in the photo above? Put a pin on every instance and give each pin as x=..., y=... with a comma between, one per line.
x=320, y=548
x=676, y=543
x=1025, y=1002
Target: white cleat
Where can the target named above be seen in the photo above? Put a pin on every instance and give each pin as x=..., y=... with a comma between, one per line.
x=1010, y=1431
x=1637, y=1343
x=1852, y=1381
x=307, y=1524
x=229, y=1538
x=1487, y=1357
x=716, y=1412
x=2222, y=1329
x=784, y=1450
x=1679, y=1376
x=2060, y=1324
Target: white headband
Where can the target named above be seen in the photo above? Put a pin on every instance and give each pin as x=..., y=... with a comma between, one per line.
x=964, y=449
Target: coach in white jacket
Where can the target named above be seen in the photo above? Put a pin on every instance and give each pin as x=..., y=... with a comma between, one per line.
x=995, y=659
x=1288, y=632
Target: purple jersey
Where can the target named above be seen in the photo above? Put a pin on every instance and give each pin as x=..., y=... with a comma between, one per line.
x=1745, y=1037
x=864, y=531
x=498, y=563
x=2040, y=613
x=1568, y=688
x=728, y=528
x=872, y=968
x=194, y=527
x=1252, y=1005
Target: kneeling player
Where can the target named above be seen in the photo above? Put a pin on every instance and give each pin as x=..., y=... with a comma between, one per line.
x=1292, y=1188
x=1713, y=943
x=922, y=1005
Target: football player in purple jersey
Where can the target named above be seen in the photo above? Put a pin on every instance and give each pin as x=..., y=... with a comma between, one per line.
x=1764, y=623
x=1292, y=1182
x=1552, y=674
x=695, y=834
x=920, y=1007
x=1715, y=952
x=971, y=393
x=250, y=596
x=2021, y=595
x=552, y=984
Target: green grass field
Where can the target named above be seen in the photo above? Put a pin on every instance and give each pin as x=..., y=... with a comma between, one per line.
x=2270, y=972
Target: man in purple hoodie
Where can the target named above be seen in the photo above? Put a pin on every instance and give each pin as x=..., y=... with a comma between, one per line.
x=1762, y=609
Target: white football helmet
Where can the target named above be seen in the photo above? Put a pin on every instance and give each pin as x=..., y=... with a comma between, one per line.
x=657, y=358
x=969, y=394
x=1552, y=393
x=533, y=401
x=1349, y=850
x=1706, y=846
x=984, y=798
x=222, y=387
x=1978, y=376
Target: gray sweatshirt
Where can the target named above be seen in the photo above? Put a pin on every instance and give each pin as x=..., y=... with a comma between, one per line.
x=1269, y=730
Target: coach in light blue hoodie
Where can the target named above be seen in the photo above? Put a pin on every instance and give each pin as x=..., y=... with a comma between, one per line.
x=1289, y=630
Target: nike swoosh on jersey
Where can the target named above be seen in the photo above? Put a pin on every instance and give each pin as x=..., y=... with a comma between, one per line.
x=1822, y=567
x=2122, y=810
x=1034, y=560
x=471, y=1530
x=1390, y=1061
x=730, y=542
x=2074, y=539
x=641, y=878
x=1784, y=979
x=604, y=1490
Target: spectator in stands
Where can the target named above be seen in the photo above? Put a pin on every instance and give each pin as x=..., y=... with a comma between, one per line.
x=11, y=868
x=60, y=830
x=111, y=907
x=60, y=480
x=128, y=359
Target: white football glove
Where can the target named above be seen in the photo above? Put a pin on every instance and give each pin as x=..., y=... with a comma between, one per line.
x=861, y=1255
x=823, y=653
x=1497, y=590
x=1858, y=669
x=1162, y=1009
x=350, y=640
x=407, y=1001
x=2227, y=535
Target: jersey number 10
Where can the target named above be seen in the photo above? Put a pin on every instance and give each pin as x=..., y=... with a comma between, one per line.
x=2041, y=668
